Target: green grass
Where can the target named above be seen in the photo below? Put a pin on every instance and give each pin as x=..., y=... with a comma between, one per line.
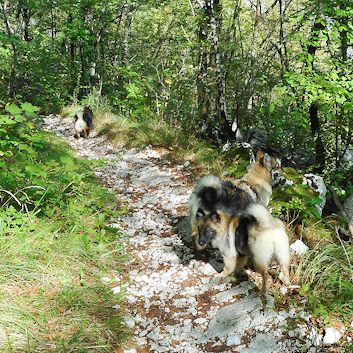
x=326, y=274
x=56, y=246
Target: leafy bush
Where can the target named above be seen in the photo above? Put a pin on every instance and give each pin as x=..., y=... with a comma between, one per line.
x=238, y=161
x=36, y=169
x=296, y=201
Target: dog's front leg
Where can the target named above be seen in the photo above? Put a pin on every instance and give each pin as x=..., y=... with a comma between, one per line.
x=230, y=263
x=241, y=262
x=195, y=238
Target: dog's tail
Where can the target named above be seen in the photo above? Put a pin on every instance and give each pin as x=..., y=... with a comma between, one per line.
x=78, y=115
x=205, y=195
x=208, y=190
x=262, y=216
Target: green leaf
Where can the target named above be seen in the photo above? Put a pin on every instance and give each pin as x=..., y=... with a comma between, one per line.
x=36, y=170
x=66, y=160
x=304, y=289
x=29, y=109
x=13, y=109
x=4, y=119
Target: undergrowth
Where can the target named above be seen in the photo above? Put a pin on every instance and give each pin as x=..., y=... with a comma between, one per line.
x=326, y=273
x=56, y=246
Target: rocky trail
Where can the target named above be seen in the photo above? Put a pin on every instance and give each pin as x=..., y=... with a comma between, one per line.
x=174, y=303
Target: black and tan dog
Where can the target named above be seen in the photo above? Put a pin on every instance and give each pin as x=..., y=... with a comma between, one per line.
x=255, y=234
x=213, y=194
x=83, y=122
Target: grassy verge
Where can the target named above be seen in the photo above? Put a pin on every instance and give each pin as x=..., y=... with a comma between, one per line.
x=56, y=246
x=326, y=274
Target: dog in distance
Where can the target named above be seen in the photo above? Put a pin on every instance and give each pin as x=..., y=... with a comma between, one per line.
x=83, y=123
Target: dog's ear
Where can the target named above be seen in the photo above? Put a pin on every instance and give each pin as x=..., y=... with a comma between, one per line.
x=267, y=161
x=215, y=217
x=260, y=154
x=200, y=213
x=271, y=162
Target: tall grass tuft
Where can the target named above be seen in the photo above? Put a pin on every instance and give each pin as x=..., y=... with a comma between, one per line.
x=326, y=274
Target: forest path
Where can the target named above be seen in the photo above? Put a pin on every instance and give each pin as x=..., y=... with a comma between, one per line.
x=174, y=302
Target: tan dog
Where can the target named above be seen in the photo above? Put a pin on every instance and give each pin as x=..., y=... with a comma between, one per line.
x=257, y=180
x=255, y=234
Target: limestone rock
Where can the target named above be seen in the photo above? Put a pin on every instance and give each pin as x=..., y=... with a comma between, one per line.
x=317, y=183
x=331, y=336
x=233, y=340
x=298, y=247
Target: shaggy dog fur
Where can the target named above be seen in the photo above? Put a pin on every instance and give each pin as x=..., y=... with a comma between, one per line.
x=255, y=234
x=257, y=180
x=211, y=194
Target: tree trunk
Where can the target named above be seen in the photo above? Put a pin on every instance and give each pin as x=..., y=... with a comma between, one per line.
x=348, y=209
x=313, y=110
x=216, y=25
x=282, y=43
x=250, y=78
x=11, y=87
x=211, y=83
x=26, y=14
x=315, y=130
x=203, y=97
x=345, y=210
x=127, y=30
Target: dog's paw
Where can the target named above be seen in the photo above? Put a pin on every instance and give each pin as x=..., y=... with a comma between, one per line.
x=220, y=275
x=284, y=278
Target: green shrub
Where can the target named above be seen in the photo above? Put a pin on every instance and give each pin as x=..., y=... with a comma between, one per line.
x=295, y=201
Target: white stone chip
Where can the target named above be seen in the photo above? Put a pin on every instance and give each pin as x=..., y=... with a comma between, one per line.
x=200, y=320
x=105, y=279
x=233, y=340
x=299, y=248
x=331, y=336
x=208, y=270
x=116, y=290
x=131, y=350
x=129, y=322
x=283, y=290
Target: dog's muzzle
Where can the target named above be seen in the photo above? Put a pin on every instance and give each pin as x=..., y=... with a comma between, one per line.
x=206, y=235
